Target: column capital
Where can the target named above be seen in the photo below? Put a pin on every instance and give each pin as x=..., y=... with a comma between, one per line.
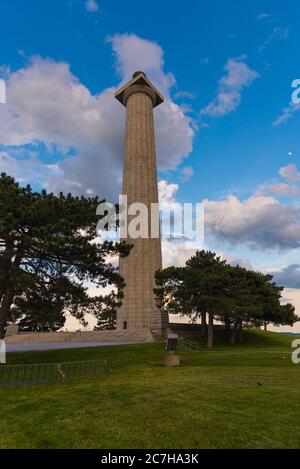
x=133, y=89
x=139, y=84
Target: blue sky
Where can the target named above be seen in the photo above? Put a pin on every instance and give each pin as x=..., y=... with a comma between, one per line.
x=226, y=133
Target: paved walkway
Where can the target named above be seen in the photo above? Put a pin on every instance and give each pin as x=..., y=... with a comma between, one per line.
x=62, y=345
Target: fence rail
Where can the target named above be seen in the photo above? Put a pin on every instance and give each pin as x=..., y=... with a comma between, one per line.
x=189, y=343
x=41, y=373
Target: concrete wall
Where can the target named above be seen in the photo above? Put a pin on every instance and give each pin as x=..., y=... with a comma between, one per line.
x=141, y=335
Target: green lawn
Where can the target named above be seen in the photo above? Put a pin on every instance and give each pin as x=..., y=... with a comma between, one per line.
x=212, y=401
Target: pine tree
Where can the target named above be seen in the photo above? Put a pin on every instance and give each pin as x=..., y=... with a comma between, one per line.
x=197, y=288
x=234, y=296
x=49, y=250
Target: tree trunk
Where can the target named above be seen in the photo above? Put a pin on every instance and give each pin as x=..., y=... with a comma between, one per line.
x=6, y=302
x=240, y=331
x=8, y=297
x=265, y=326
x=203, y=324
x=210, y=331
x=227, y=326
x=234, y=332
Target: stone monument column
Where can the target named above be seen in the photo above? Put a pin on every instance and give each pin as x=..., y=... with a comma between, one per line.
x=139, y=310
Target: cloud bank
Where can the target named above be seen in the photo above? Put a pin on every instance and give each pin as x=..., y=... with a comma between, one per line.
x=259, y=222
x=48, y=105
x=92, y=6
x=288, y=277
x=238, y=75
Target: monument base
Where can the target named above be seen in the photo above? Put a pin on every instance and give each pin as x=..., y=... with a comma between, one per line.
x=172, y=360
x=129, y=336
x=12, y=330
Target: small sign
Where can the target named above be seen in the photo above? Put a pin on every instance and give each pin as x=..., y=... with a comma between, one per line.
x=171, y=344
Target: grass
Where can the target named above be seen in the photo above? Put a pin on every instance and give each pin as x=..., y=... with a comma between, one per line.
x=247, y=396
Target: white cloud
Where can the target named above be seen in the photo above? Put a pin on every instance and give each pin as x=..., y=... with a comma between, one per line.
x=264, y=16
x=234, y=261
x=282, y=189
x=286, y=114
x=176, y=252
x=259, y=222
x=24, y=167
x=289, y=276
x=92, y=6
x=48, y=104
x=184, y=95
x=186, y=173
x=290, y=172
x=238, y=76
x=167, y=193
x=133, y=53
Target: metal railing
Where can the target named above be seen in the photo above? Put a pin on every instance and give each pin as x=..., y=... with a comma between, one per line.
x=42, y=373
x=189, y=343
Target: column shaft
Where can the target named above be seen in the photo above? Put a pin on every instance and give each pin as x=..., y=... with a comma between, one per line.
x=138, y=308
